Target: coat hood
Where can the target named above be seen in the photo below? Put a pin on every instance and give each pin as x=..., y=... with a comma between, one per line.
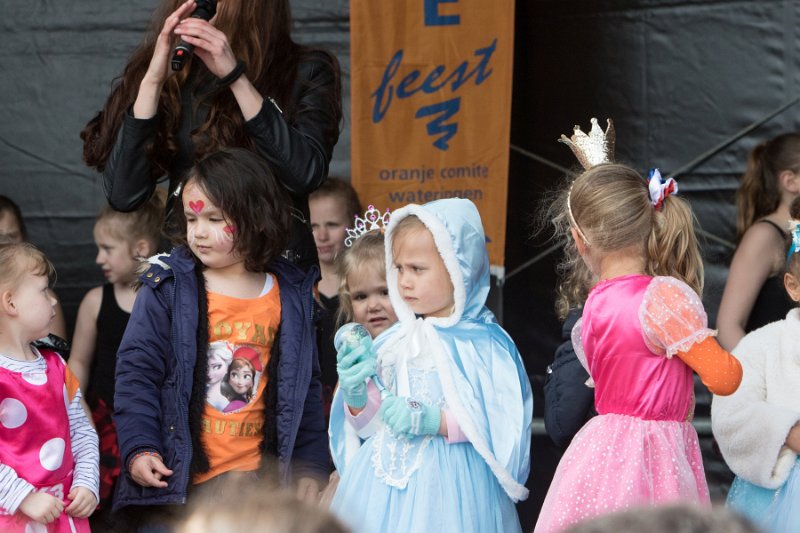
x=458, y=234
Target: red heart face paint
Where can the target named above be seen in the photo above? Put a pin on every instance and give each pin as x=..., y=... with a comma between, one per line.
x=197, y=206
x=209, y=235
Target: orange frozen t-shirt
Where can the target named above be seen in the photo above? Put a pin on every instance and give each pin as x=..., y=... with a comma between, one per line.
x=240, y=337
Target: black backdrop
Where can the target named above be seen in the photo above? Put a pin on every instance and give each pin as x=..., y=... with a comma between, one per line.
x=678, y=77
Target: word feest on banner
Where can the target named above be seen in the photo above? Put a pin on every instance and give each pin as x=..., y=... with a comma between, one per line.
x=441, y=112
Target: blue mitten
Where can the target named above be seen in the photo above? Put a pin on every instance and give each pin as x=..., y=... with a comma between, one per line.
x=405, y=416
x=354, y=365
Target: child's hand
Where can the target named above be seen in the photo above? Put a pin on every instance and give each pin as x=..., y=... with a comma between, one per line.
x=41, y=507
x=82, y=502
x=149, y=471
x=405, y=416
x=308, y=489
x=354, y=366
x=793, y=439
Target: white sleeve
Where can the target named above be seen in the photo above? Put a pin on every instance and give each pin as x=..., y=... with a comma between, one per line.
x=85, y=448
x=13, y=489
x=751, y=433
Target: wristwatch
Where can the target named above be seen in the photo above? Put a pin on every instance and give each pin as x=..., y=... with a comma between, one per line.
x=415, y=408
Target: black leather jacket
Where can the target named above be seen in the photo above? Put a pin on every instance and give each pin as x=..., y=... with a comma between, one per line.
x=298, y=151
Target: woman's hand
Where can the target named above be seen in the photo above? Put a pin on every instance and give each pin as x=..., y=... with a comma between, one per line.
x=159, y=70
x=210, y=45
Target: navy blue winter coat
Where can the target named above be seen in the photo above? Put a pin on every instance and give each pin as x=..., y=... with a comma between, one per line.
x=161, y=377
x=568, y=402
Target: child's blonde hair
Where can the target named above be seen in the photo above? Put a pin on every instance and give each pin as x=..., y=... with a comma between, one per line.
x=143, y=223
x=18, y=259
x=610, y=204
x=366, y=252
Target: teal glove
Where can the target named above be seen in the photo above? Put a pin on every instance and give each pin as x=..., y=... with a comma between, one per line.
x=405, y=416
x=354, y=365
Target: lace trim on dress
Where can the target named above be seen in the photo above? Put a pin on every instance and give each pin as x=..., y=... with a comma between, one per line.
x=685, y=344
x=398, y=472
x=672, y=317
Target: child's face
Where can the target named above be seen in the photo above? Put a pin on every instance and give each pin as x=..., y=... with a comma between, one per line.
x=9, y=226
x=114, y=255
x=216, y=369
x=35, y=304
x=209, y=234
x=329, y=221
x=422, y=279
x=241, y=380
x=370, y=299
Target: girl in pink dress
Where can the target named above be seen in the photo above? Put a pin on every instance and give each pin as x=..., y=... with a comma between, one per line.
x=642, y=333
x=48, y=450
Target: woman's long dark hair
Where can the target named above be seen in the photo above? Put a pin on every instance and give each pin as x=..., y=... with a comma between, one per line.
x=259, y=32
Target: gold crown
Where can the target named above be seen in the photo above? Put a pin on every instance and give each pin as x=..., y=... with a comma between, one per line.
x=592, y=149
x=373, y=220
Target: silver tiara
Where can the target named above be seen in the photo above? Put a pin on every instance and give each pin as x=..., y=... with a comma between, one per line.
x=373, y=220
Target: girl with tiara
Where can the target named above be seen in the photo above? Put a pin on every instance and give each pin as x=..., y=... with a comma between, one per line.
x=758, y=427
x=363, y=292
x=642, y=332
x=445, y=446
x=361, y=269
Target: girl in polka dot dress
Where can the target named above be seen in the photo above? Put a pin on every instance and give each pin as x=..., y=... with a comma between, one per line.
x=642, y=333
x=48, y=449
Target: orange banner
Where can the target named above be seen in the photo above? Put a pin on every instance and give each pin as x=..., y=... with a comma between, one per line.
x=431, y=105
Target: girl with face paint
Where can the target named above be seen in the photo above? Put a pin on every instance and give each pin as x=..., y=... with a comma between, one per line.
x=224, y=282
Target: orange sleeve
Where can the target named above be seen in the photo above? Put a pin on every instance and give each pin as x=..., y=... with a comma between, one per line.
x=71, y=383
x=720, y=371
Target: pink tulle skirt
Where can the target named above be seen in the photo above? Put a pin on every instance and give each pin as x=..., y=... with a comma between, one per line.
x=619, y=461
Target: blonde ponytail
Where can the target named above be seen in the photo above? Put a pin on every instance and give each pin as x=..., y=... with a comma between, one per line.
x=672, y=248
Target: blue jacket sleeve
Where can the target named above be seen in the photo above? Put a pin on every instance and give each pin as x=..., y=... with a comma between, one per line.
x=569, y=403
x=311, y=457
x=140, y=372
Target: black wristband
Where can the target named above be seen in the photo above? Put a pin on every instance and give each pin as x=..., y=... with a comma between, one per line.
x=232, y=76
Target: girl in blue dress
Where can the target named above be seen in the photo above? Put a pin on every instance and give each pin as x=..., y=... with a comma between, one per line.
x=430, y=430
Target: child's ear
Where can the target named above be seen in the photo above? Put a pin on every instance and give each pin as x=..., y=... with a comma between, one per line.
x=7, y=303
x=792, y=285
x=790, y=181
x=578, y=241
x=142, y=248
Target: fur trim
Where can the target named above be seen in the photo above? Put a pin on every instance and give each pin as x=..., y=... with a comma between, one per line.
x=197, y=401
x=751, y=425
x=514, y=489
x=444, y=243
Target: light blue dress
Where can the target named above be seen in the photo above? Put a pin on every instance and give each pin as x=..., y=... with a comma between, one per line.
x=773, y=510
x=465, y=364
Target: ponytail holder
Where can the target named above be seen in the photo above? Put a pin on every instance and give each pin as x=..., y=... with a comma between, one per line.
x=660, y=189
x=794, y=230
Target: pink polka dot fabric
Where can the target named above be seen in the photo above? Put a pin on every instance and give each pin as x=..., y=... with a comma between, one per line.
x=34, y=430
